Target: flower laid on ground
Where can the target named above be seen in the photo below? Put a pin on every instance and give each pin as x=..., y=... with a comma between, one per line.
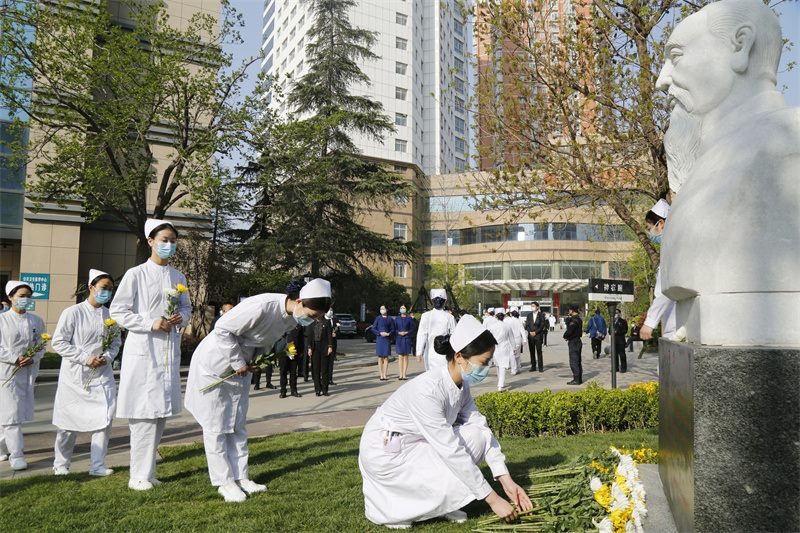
x=37, y=346
x=600, y=492
x=110, y=332
x=171, y=299
x=261, y=361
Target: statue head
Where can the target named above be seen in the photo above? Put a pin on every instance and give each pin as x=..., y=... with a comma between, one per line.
x=719, y=54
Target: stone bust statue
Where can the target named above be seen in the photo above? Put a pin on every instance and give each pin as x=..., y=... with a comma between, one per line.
x=731, y=252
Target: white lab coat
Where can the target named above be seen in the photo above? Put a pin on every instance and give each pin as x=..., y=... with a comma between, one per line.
x=518, y=331
x=505, y=337
x=18, y=332
x=149, y=388
x=662, y=309
x=432, y=324
x=430, y=468
x=78, y=336
x=250, y=328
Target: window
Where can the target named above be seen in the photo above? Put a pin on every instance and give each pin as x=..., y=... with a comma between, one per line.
x=460, y=105
x=400, y=119
x=461, y=146
x=460, y=164
x=458, y=46
x=399, y=269
x=268, y=47
x=12, y=177
x=458, y=27
x=460, y=125
x=460, y=85
x=400, y=43
x=400, y=68
x=399, y=168
x=400, y=93
x=400, y=145
x=400, y=231
x=400, y=18
x=459, y=65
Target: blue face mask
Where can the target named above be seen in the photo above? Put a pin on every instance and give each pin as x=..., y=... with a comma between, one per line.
x=25, y=304
x=477, y=374
x=655, y=238
x=102, y=296
x=303, y=320
x=165, y=250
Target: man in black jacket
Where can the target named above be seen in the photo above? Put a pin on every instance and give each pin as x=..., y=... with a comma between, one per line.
x=620, y=328
x=535, y=325
x=575, y=344
x=319, y=347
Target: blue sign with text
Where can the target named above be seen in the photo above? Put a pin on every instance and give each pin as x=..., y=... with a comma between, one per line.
x=40, y=283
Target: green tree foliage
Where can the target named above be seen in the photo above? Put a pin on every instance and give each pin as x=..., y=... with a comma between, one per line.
x=312, y=180
x=127, y=112
x=371, y=289
x=441, y=275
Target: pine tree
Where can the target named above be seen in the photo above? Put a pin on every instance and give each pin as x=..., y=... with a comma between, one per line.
x=314, y=181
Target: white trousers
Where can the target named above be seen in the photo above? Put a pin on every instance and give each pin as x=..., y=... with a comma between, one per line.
x=501, y=377
x=473, y=438
x=515, y=361
x=11, y=441
x=145, y=437
x=227, y=455
x=65, y=445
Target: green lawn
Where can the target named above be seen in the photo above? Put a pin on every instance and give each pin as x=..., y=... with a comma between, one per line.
x=313, y=485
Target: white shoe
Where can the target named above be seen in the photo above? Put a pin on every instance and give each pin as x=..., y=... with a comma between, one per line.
x=250, y=486
x=3, y=457
x=139, y=484
x=18, y=463
x=155, y=482
x=457, y=517
x=399, y=525
x=60, y=471
x=102, y=472
x=232, y=493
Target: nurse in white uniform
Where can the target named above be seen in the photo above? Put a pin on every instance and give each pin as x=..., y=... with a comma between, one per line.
x=504, y=353
x=420, y=451
x=250, y=328
x=432, y=324
x=20, y=330
x=87, y=394
x=662, y=309
x=150, y=381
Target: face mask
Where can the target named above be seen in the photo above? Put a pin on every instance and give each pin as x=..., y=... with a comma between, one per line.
x=25, y=304
x=383, y=311
x=303, y=320
x=102, y=296
x=165, y=250
x=438, y=303
x=402, y=310
x=4, y=308
x=655, y=238
x=477, y=374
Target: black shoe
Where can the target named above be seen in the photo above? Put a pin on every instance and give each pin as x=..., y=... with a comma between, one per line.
x=541, y=370
x=297, y=395
x=305, y=379
x=257, y=387
x=271, y=386
x=624, y=371
x=283, y=395
x=531, y=369
x=325, y=393
x=331, y=383
x=574, y=382
x=318, y=393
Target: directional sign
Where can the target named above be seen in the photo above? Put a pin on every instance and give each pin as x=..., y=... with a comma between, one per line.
x=610, y=290
x=40, y=283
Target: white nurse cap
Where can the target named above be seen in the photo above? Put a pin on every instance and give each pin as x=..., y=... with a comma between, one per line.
x=467, y=330
x=661, y=208
x=153, y=223
x=93, y=273
x=13, y=284
x=316, y=288
x=438, y=293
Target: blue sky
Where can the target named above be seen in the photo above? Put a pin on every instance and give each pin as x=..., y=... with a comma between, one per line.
x=788, y=9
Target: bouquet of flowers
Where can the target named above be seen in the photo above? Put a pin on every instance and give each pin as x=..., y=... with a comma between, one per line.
x=30, y=352
x=261, y=361
x=171, y=299
x=110, y=332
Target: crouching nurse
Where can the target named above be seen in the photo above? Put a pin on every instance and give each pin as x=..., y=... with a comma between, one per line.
x=250, y=328
x=420, y=451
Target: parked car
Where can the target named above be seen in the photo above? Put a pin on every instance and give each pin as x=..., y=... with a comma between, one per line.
x=347, y=325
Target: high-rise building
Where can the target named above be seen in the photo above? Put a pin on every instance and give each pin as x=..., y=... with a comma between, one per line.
x=421, y=76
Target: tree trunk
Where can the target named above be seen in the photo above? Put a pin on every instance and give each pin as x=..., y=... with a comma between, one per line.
x=142, y=249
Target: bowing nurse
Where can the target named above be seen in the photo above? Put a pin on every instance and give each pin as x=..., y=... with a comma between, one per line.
x=87, y=341
x=149, y=304
x=22, y=346
x=420, y=451
x=250, y=328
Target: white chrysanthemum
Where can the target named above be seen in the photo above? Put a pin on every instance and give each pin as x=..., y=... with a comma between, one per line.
x=170, y=292
x=604, y=526
x=629, y=527
x=595, y=484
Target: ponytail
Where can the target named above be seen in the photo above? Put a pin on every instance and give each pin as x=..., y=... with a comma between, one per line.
x=442, y=346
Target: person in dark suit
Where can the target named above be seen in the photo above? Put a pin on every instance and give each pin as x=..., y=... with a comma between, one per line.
x=334, y=323
x=620, y=328
x=573, y=335
x=319, y=347
x=288, y=361
x=535, y=325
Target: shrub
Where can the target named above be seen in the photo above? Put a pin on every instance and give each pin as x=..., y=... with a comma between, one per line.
x=530, y=414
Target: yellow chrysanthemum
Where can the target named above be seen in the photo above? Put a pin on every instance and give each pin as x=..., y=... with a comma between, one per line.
x=291, y=348
x=180, y=287
x=599, y=467
x=46, y=337
x=620, y=517
x=603, y=497
x=110, y=322
x=623, y=483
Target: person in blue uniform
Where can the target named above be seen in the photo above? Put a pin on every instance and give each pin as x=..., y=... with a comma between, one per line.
x=384, y=327
x=404, y=325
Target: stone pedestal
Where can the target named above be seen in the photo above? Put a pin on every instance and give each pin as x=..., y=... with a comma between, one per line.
x=729, y=436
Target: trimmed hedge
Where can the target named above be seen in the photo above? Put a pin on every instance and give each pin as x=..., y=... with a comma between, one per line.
x=530, y=414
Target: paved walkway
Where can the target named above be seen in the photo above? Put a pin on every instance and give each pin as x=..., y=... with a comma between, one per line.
x=352, y=401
